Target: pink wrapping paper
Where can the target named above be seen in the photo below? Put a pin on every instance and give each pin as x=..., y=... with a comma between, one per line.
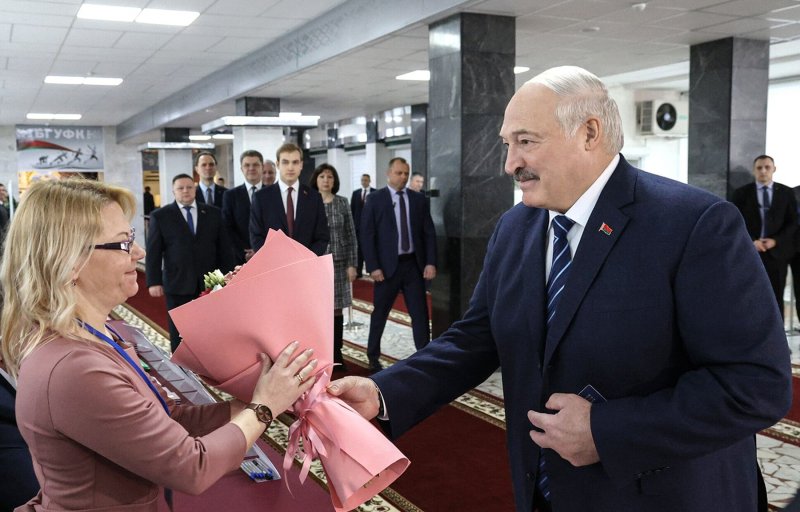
x=285, y=293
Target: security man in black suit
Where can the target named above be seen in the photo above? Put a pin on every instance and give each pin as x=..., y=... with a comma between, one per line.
x=399, y=244
x=356, y=207
x=205, y=165
x=190, y=239
x=770, y=215
x=289, y=206
x=236, y=204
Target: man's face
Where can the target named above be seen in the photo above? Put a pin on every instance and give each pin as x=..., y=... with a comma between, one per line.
x=184, y=190
x=269, y=174
x=763, y=169
x=252, y=168
x=3, y=193
x=416, y=184
x=206, y=168
x=365, y=180
x=290, y=164
x=397, y=175
x=550, y=167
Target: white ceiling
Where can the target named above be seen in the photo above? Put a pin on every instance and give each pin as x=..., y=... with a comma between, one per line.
x=647, y=48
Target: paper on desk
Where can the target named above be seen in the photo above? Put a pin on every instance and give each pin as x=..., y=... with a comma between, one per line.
x=285, y=293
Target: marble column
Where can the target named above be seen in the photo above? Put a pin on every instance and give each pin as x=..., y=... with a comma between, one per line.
x=728, y=81
x=419, y=139
x=472, y=79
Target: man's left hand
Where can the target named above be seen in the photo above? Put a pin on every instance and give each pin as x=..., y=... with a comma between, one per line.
x=568, y=432
x=769, y=243
x=429, y=272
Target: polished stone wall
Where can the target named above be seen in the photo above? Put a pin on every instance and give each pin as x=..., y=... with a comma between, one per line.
x=472, y=79
x=419, y=140
x=727, y=112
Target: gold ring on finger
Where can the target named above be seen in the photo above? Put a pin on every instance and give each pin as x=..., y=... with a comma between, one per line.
x=299, y=377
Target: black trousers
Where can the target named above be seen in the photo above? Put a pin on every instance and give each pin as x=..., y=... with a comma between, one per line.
x=173, y=301
x=776, y=271
x=408, y=279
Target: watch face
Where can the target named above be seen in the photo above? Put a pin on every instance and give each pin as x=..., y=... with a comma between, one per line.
x=263, y=413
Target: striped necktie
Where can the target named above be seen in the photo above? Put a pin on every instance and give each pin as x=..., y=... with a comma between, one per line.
x=555, y=288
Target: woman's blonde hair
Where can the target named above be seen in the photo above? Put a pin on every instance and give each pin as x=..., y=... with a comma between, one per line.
x=50, y=238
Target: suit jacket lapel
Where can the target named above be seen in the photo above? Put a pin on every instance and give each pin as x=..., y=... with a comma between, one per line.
x=592, y=250
x=534, y=252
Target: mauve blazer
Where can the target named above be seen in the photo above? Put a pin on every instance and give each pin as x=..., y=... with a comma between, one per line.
x=101, y=440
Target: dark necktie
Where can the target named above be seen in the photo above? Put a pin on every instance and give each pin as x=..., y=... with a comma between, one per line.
x=765, y=204
x=555, y=287
x=209, y=196
x=189, y=219
x=252, y=192
x=363, y=196
x=290, y=211
x=404, y=240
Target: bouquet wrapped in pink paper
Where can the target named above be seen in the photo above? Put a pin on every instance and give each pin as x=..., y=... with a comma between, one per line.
x=285, y=293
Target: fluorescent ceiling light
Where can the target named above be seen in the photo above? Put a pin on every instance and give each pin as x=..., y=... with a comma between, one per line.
x=98, y=80
x=223, y=136
x=167, y=17
x=199, y=137
x=108, y=12
x=64, y=80
x=61, y=117
x=290, y=114
x=222, y=122
x=521, y=69
x=419, y=74
x=80, y=80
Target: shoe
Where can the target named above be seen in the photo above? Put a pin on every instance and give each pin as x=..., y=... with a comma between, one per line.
x=375, y=366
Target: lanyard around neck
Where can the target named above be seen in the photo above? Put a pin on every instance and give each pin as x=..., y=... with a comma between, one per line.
x=125, y=356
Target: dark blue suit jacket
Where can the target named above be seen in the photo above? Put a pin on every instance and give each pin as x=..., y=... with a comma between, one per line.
x=357, y=206
x=219, y=190
x=236, y=216
x=781, y=218
x=18, y=482
x=379, y=234
x=185, y=257
x=310, y=224
x=670, y=317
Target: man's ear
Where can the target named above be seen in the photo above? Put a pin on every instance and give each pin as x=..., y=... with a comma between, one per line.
x=593, y=133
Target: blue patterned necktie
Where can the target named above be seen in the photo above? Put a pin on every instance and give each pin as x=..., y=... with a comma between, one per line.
x=555, y=288
x=189, y=219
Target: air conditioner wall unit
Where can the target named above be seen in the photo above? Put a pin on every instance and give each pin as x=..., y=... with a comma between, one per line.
x=662, y=118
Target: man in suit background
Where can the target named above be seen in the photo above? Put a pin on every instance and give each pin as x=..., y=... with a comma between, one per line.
x=399, y=246
x=292, y=207
x=417, y=182
x=148, y=201
x=630, y=315
x=770, y=215
x=205, y=165
x=236, y=204
x=357, y=202
x=188, y=240
x=270, y=174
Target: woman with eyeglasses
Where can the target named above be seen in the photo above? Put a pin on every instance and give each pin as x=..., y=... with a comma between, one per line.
x=100, y=432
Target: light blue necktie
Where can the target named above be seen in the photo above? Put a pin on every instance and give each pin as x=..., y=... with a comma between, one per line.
x=189, y=219
x=555, y=288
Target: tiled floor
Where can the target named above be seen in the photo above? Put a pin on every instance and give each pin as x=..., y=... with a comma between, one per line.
x=780, y=460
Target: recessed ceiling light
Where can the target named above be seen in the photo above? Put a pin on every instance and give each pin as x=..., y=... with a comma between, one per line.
x=199, y=137
x=61, y=117
x=419, y=74
x=521, y=69
x=80, y=80
x=167, y=17
x=590, y=29
x=222, y=136
x=108, y=12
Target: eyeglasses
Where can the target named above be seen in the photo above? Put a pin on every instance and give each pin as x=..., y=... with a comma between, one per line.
x=121, y=246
